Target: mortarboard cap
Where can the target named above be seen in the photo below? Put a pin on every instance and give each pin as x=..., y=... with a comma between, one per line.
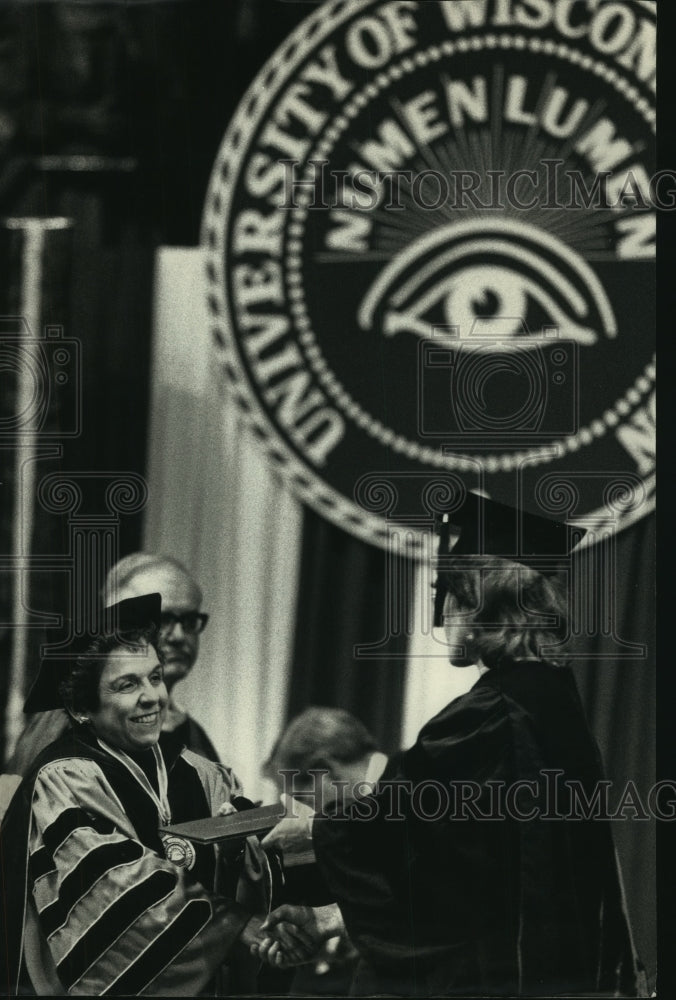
x=489, y=528
x=118, y=619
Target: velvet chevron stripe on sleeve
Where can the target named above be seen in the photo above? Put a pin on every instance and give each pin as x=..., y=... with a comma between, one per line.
x=158, y=955
x=112, y=923
x=83, y=876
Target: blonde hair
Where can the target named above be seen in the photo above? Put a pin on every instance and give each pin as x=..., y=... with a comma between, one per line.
x=514, y=611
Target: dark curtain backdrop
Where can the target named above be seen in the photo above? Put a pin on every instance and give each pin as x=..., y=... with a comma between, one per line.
x=106, y=290
x=51, y=408
x=620, y=699
x=343, y=603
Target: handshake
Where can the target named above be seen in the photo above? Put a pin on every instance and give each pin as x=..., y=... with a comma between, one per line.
x=293, y=935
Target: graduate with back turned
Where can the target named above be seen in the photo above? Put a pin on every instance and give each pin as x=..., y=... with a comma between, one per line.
x=466, y=871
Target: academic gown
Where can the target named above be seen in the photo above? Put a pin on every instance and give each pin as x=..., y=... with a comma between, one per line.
x=90, y=899
x=486, y=888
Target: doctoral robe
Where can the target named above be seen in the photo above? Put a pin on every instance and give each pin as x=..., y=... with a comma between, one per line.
x=90, y=899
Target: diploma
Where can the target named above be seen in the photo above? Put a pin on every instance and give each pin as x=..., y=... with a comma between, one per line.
x=233, y=827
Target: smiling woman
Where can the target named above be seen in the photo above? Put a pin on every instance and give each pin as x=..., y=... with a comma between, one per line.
x=110, y=906
x=125, y=699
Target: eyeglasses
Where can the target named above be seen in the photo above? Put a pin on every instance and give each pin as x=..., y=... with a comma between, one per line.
x=440, y=590
x=192, y=622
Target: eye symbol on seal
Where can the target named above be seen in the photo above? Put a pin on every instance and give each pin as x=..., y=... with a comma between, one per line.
x=179, y=851
x=484, y=273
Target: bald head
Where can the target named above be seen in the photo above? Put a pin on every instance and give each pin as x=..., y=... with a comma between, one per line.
x=146, y=573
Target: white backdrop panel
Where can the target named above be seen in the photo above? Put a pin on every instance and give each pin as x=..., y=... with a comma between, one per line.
x=431, y=682
x=216, y=505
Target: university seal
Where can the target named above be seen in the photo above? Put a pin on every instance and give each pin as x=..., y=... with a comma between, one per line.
x=431, y=238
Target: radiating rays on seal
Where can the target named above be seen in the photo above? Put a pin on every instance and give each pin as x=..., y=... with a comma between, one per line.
x=510, y=279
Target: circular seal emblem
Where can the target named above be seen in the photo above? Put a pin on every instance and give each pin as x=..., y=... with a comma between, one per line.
x=431, y=238
x=179, y=851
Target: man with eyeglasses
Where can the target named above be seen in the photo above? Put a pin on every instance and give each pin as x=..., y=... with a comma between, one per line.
x=181, y=624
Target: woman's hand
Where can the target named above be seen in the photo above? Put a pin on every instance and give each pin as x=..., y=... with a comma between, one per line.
x=294, y=832
x=292, y=935
x=290, y=940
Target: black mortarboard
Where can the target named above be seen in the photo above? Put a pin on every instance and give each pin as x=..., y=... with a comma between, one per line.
x=489, y=528
x=124, y=617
